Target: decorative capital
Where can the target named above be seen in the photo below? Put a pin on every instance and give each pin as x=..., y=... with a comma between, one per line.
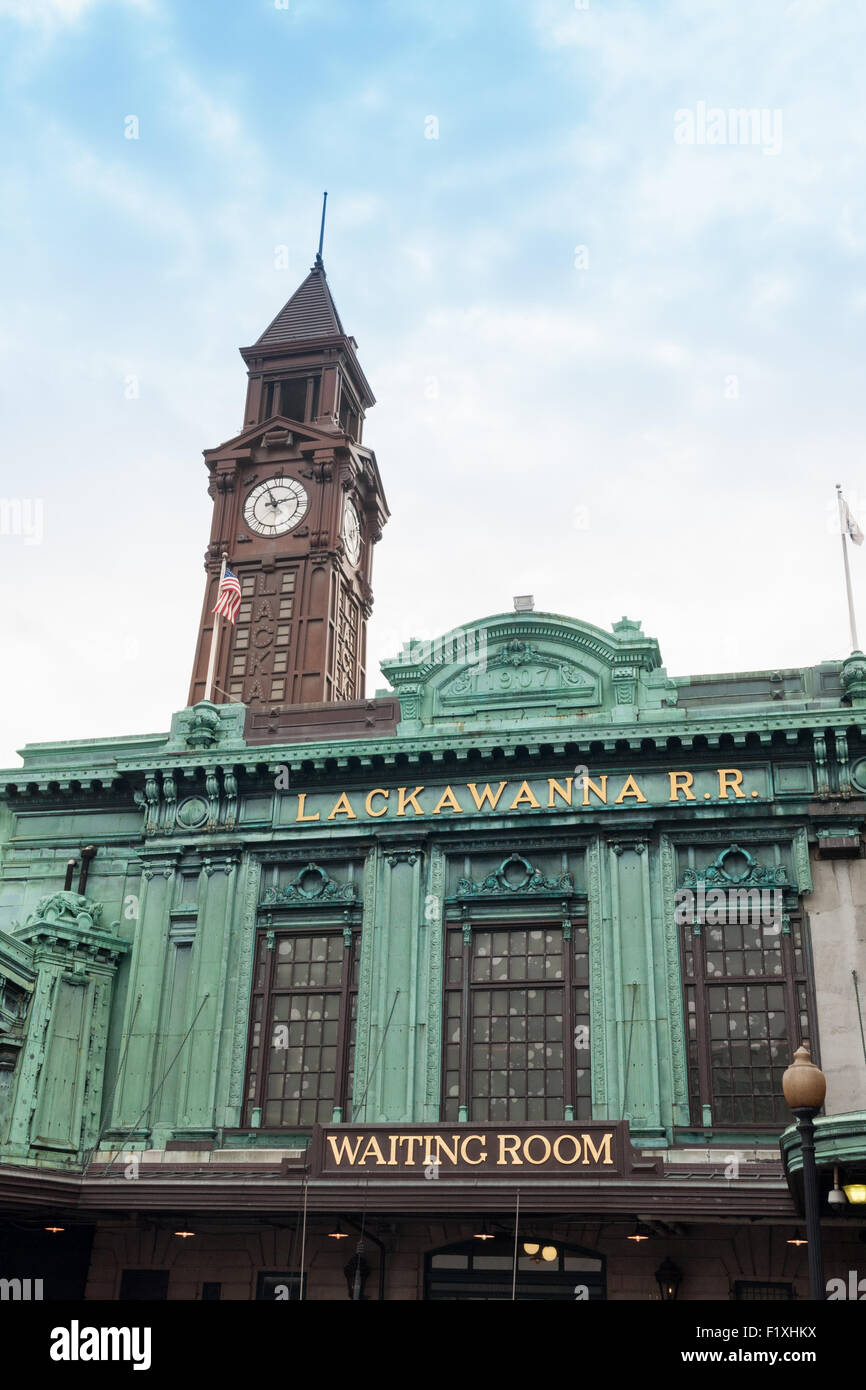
x=69, y=908
x=853, y=677
x=203, y=729
x=70, y=922
x=403, y=856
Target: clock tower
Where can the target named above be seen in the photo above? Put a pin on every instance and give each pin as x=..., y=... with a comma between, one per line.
x=298, y=507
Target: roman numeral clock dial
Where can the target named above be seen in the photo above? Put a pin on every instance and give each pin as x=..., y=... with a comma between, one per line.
x=351, y=532
x=276, y=507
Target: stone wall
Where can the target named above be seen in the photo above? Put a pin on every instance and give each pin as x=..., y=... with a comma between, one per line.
x=837, y=916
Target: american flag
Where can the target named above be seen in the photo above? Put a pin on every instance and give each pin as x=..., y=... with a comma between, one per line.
x=229, y=596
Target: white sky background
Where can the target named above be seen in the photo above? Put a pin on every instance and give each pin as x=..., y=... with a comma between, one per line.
x=655, y=431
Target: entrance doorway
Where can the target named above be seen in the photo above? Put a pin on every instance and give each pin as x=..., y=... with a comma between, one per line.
x=483, y=1270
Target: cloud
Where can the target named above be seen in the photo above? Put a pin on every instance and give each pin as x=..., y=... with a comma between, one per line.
x=53, y=14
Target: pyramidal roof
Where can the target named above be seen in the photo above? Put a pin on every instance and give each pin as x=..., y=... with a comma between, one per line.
x=310, y=313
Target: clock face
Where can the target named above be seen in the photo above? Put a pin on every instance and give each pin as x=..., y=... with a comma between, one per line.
x=276, y=506
x=351, y=532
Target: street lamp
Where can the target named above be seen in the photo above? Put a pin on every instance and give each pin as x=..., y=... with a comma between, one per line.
x=668, y=1278
x=805, y=1086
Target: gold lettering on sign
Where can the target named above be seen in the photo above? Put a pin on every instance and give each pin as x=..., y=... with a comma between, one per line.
x=510, y=1144
x=341, y=1148
x=630, y=788
x=527, y=1148
x=473, y=1139
x=403, y=798
x=557, y=787
x=590, y=786
x=372, y=1147
x=447, y=799
x=681, y=782
x=572, y=1138
x=733, y=778
x=603, y=1148
x=409, y=1140
x=525, y=794
x=486, y=795
x=540, y=1149
x=442, y=1147
x=377, y=802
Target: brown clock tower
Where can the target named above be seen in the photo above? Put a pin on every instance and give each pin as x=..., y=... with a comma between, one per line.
x=298, y=507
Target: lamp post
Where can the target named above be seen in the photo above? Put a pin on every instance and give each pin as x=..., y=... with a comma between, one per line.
x=805, y=1086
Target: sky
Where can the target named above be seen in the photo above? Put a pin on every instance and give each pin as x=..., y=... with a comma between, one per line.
x=613, y=320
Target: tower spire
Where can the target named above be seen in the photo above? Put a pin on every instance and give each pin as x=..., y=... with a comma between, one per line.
x=319, y=261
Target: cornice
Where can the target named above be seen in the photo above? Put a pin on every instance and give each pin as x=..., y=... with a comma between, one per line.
x=648, y=736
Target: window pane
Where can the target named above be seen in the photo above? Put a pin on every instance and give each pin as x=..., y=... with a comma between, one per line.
x=744, y=1029
x=301, y=1017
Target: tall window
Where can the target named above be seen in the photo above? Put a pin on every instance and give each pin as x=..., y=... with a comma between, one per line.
x=302, y=1037
x=516, y=1025
x=747, y=1009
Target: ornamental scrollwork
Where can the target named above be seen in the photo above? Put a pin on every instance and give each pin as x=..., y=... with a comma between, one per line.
x=754, y=875
x=311, y=886
x=515, y=875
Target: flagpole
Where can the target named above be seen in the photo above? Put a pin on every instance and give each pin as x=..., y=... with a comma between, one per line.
x=855, y=645
x=215, y=635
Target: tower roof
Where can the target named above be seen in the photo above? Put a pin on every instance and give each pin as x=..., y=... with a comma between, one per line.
x=310, y=313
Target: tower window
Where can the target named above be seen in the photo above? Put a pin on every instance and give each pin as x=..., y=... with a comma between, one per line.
x=295, y=397
x=349, y=413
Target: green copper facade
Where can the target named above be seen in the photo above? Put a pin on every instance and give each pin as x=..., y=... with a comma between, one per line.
x=543, y=770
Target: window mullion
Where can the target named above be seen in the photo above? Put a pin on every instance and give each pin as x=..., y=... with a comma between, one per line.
x=465, y=1100
x=343, y=1028
x=569, y=1053
x=266, y=1027
x=702, y=1020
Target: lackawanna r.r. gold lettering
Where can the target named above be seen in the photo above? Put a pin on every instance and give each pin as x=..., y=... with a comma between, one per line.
x=551, y=793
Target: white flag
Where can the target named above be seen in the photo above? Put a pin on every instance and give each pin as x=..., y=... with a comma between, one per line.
x=849, y=525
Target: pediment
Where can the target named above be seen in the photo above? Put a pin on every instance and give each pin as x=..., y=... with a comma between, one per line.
x=519, y=673
x=527, y=666
x=256, y=437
